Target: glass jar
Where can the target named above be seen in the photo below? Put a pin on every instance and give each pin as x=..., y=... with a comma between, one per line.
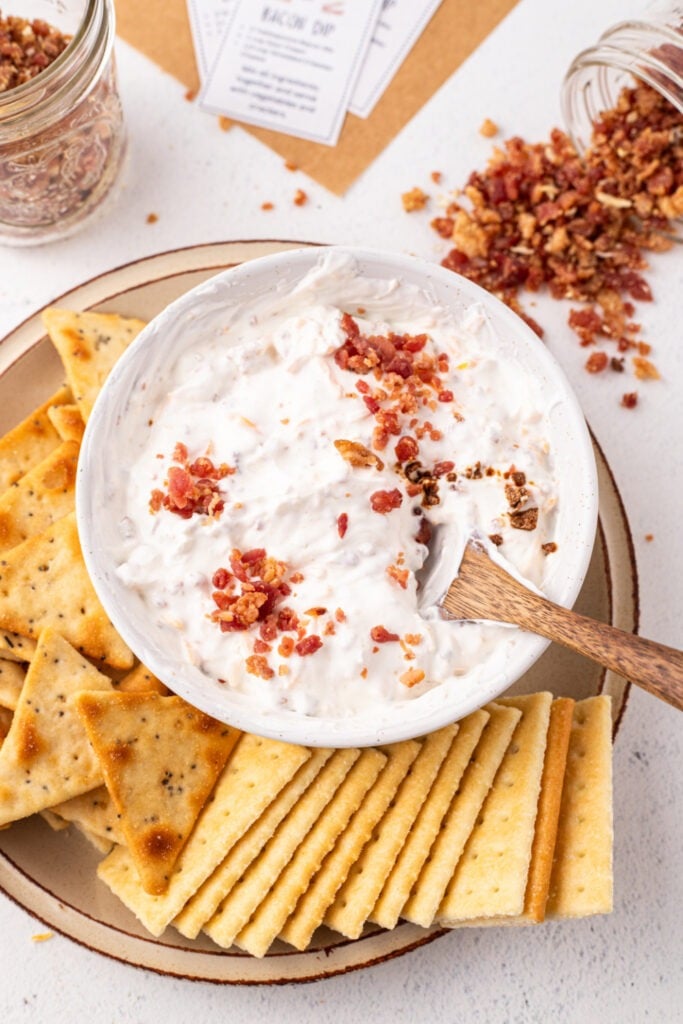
x=649, y=48
x=62, y=136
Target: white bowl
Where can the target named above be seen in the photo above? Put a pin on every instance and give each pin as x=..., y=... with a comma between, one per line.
x=106, y=451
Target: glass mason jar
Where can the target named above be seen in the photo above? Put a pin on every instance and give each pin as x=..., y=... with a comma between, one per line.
x=62, y=136
x=649, y=48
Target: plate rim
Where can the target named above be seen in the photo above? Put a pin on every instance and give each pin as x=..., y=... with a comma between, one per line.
x=217, y=262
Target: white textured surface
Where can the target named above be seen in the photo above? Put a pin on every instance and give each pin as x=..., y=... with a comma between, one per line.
x=208, y=186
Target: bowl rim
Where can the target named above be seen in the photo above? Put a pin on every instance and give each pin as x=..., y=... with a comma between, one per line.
x=287, y=725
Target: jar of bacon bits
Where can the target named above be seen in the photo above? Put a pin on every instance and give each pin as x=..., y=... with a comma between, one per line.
x=645, y=51
x=61, y=125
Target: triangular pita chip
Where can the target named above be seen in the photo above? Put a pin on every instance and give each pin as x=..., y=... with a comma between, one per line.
x=44, y=582
x=89, y=344
x=46, y=757
x=160, y=758
x=30, y=441
x=40, y=497
x=67, y=421
x=12, y=675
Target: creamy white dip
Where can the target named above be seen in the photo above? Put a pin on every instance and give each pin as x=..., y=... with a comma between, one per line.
x=268, y=398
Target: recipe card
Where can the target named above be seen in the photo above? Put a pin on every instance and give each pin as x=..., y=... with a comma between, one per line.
x=291, y=65
x=209, y=20
x=400, y=24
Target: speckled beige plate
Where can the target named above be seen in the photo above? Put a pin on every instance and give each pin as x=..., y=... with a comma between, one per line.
x=52, y=874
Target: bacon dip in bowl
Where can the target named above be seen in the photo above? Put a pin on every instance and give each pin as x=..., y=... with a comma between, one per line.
x=264, y=468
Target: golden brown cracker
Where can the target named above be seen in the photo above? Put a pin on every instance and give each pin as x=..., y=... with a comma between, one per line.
x=30, y=441
x=40, y=497
x=204, y=903
x=44, y=582
x=419, y=841
x=311, y=908
x=160, y=758
x=236, y=908
x=257, y=771
x=491, y=875
x=141, y=680
x=46, y=757
x=89, y=344
x=581, y=881
x=263, y=928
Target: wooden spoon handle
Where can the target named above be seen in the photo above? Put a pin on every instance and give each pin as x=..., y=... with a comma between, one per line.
x=652, y=666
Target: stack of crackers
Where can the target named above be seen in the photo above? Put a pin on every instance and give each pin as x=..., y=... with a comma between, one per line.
x=502, y=818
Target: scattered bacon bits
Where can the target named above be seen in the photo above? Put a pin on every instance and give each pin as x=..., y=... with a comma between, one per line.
x=630, y=400
x=488, y=128
x=300, y=197
x=597, y=362
x=290, y=166
x=357, y=455
x=190, y=95
x=192, y=487
x=644, y=369
x=382, y=636
x=152, y=218
x=26, y=49
x=413, y=200
x=496, y=539
x=342, y=524
x=258, y=665
x=286, y=646
x=541, y=215
x=267, y=206
x=364, y=673
x=436, y=177
x=296, y=577
x=386, y=501
x=309, y=645
x=412, y=677
x=649, y=537
x=549, y=548
x=525, y=520
x=617, y=364
x=339, y=615
x=399, y=576
x=406, y=449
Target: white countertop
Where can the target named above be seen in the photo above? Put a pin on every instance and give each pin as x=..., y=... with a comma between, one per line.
x=207, y=185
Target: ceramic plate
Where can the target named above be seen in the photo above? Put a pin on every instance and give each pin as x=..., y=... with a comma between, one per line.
x=52, y=874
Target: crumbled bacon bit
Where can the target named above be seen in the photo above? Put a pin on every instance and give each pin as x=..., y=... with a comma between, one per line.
x=649, y=537
x=192, y=487
x=261, y=647
x=296, y=577
x=617, y=364
x=224, y=123
x=524, y=520
x=644, y=369
x=257, y=665
x=340, y=615
x=342, y=524
x=496, y=539
x=286, y=646
x=364, y=673
x=543, y=215
x=630, y=400
x=291, y=166
x=151, y=218
x=386, y=501
x=488, y=128
x=399, y=576
x=415, y=199
x=597, y=362
x=414, y=639
x=300, y=197
x=382, y=636
x=249, y=593
x=357, y=455
x=309, y=645
x=406, y=449
x=549, y=548
x=436, y=177
x=412, y=677
x=267, y=206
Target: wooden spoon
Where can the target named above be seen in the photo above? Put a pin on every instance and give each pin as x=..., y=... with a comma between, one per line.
x=482, y=590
